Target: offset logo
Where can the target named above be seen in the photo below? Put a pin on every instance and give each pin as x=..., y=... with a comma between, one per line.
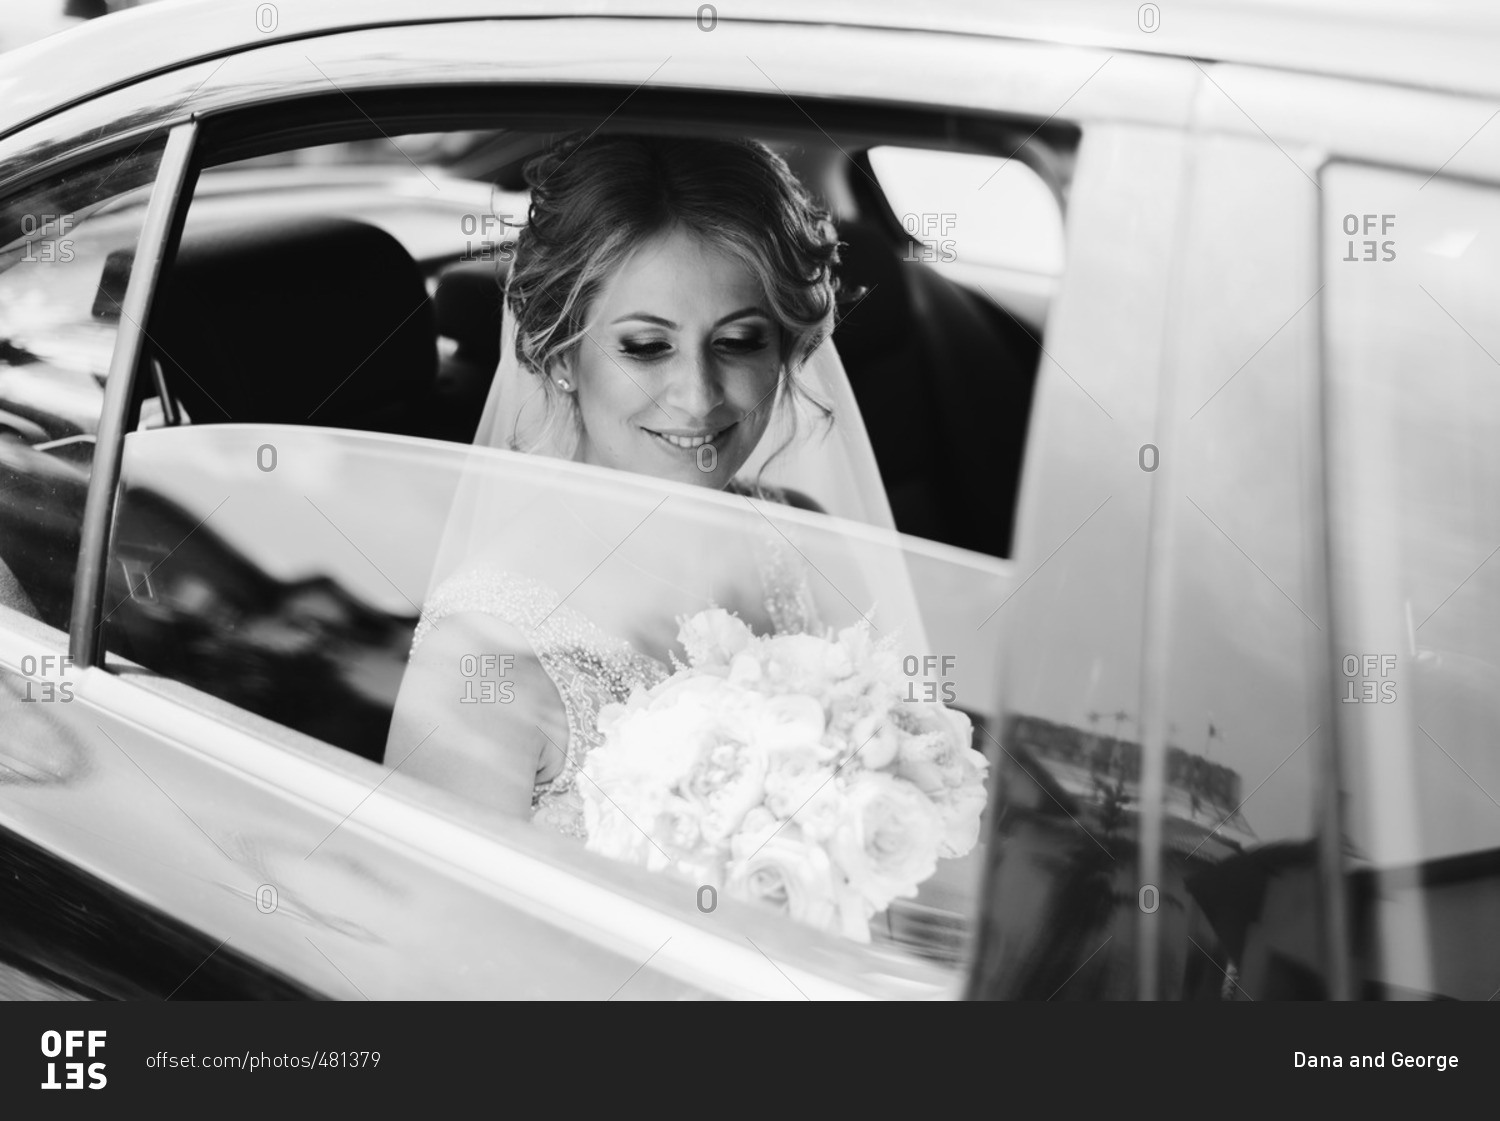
x=44, y=676
x=1386, y=684
x=494, y=689
x=929, y=234
x=66, y=1045
x=913, y=667
x=1385, y=222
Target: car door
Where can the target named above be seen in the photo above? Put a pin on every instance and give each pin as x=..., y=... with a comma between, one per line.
x=1412, y=338
x=1361, y=418
x=1317, y=652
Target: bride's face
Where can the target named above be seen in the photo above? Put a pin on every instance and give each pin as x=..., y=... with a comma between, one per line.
x=677, y=377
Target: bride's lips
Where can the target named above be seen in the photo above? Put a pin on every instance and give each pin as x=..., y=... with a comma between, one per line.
x=689, y=439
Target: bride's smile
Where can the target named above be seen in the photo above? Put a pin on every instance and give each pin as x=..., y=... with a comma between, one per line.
x=678, y=372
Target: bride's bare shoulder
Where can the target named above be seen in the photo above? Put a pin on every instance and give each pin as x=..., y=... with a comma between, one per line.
x=493, y=752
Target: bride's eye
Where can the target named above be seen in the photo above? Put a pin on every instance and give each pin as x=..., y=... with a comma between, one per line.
x=645, y=348
x=743, y=344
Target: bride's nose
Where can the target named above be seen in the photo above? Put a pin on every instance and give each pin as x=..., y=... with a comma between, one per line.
x=696, y=389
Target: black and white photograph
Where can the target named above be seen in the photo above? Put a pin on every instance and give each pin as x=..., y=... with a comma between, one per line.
x=619, y=500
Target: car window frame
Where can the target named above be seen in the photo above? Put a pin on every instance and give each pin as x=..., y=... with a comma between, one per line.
x=163, y=218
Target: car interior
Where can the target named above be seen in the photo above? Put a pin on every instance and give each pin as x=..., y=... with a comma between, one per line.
x=264, y=320
x=242, y=329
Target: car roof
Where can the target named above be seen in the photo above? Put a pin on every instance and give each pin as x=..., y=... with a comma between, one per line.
x=1452, y=46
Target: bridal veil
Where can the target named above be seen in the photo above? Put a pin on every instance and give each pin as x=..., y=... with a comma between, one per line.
x=517, y=507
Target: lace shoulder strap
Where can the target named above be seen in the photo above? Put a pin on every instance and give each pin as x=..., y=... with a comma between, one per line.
x=525, y=603
x=588, y=666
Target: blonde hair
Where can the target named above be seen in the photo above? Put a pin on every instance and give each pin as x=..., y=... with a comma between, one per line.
x=593, y=203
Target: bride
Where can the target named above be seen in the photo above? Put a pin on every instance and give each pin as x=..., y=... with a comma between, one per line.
x=668, y=315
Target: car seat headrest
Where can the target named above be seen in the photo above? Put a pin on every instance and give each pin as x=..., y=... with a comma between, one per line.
x=316, y=320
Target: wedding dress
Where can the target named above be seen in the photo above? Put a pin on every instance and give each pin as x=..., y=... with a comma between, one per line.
x=589, y=666
x=493, y=561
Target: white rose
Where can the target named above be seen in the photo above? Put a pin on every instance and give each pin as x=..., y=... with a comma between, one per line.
x=876, y=740
x=935, y=749
x=653, y=748
x=960, y=810
x=791, y=720
x=744, y=669
x=725, y=785
x=617, y=826
x=803, y=663
x=660, y=737
x=888, y=839
x=821, y=815
x=713, y=637
x=758, y=820
x=788, y=873
x=792, y=778
x=942, y=765
x=928, y=718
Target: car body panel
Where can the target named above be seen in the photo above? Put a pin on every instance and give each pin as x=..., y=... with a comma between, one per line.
x=842, y=63
x=1451, y=49
x=411, y=891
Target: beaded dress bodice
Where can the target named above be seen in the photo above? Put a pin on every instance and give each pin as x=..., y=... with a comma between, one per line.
x=590, y=667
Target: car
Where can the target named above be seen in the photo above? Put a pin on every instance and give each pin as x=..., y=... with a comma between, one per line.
x=1174, y=340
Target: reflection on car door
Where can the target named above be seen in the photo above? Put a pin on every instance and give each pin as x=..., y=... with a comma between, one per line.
x=1061, y=918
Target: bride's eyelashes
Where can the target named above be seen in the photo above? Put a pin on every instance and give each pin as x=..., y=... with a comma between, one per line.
x=752, y=343
x=645, y=348
x=735, y=345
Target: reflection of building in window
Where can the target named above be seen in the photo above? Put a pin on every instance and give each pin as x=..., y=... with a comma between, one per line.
x=1065, y=899
x=1202, y=798
x=1237, y=918
x=308, y=653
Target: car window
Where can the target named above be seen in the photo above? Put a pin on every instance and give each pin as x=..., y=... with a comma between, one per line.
x=980, y=208
x=290, y=569
x=1414, y=335
x=65, y=246
x=356, y=234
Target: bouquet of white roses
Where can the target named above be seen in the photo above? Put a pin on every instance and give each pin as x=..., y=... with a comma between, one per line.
x=786, y=770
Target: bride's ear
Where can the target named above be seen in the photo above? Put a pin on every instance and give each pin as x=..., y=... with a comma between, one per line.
x=562, y=375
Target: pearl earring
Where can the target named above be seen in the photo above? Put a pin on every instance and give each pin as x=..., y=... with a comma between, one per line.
x=564, y=384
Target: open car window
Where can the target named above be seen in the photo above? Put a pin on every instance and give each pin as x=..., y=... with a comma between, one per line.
x=990, y=221
x=357, y=284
